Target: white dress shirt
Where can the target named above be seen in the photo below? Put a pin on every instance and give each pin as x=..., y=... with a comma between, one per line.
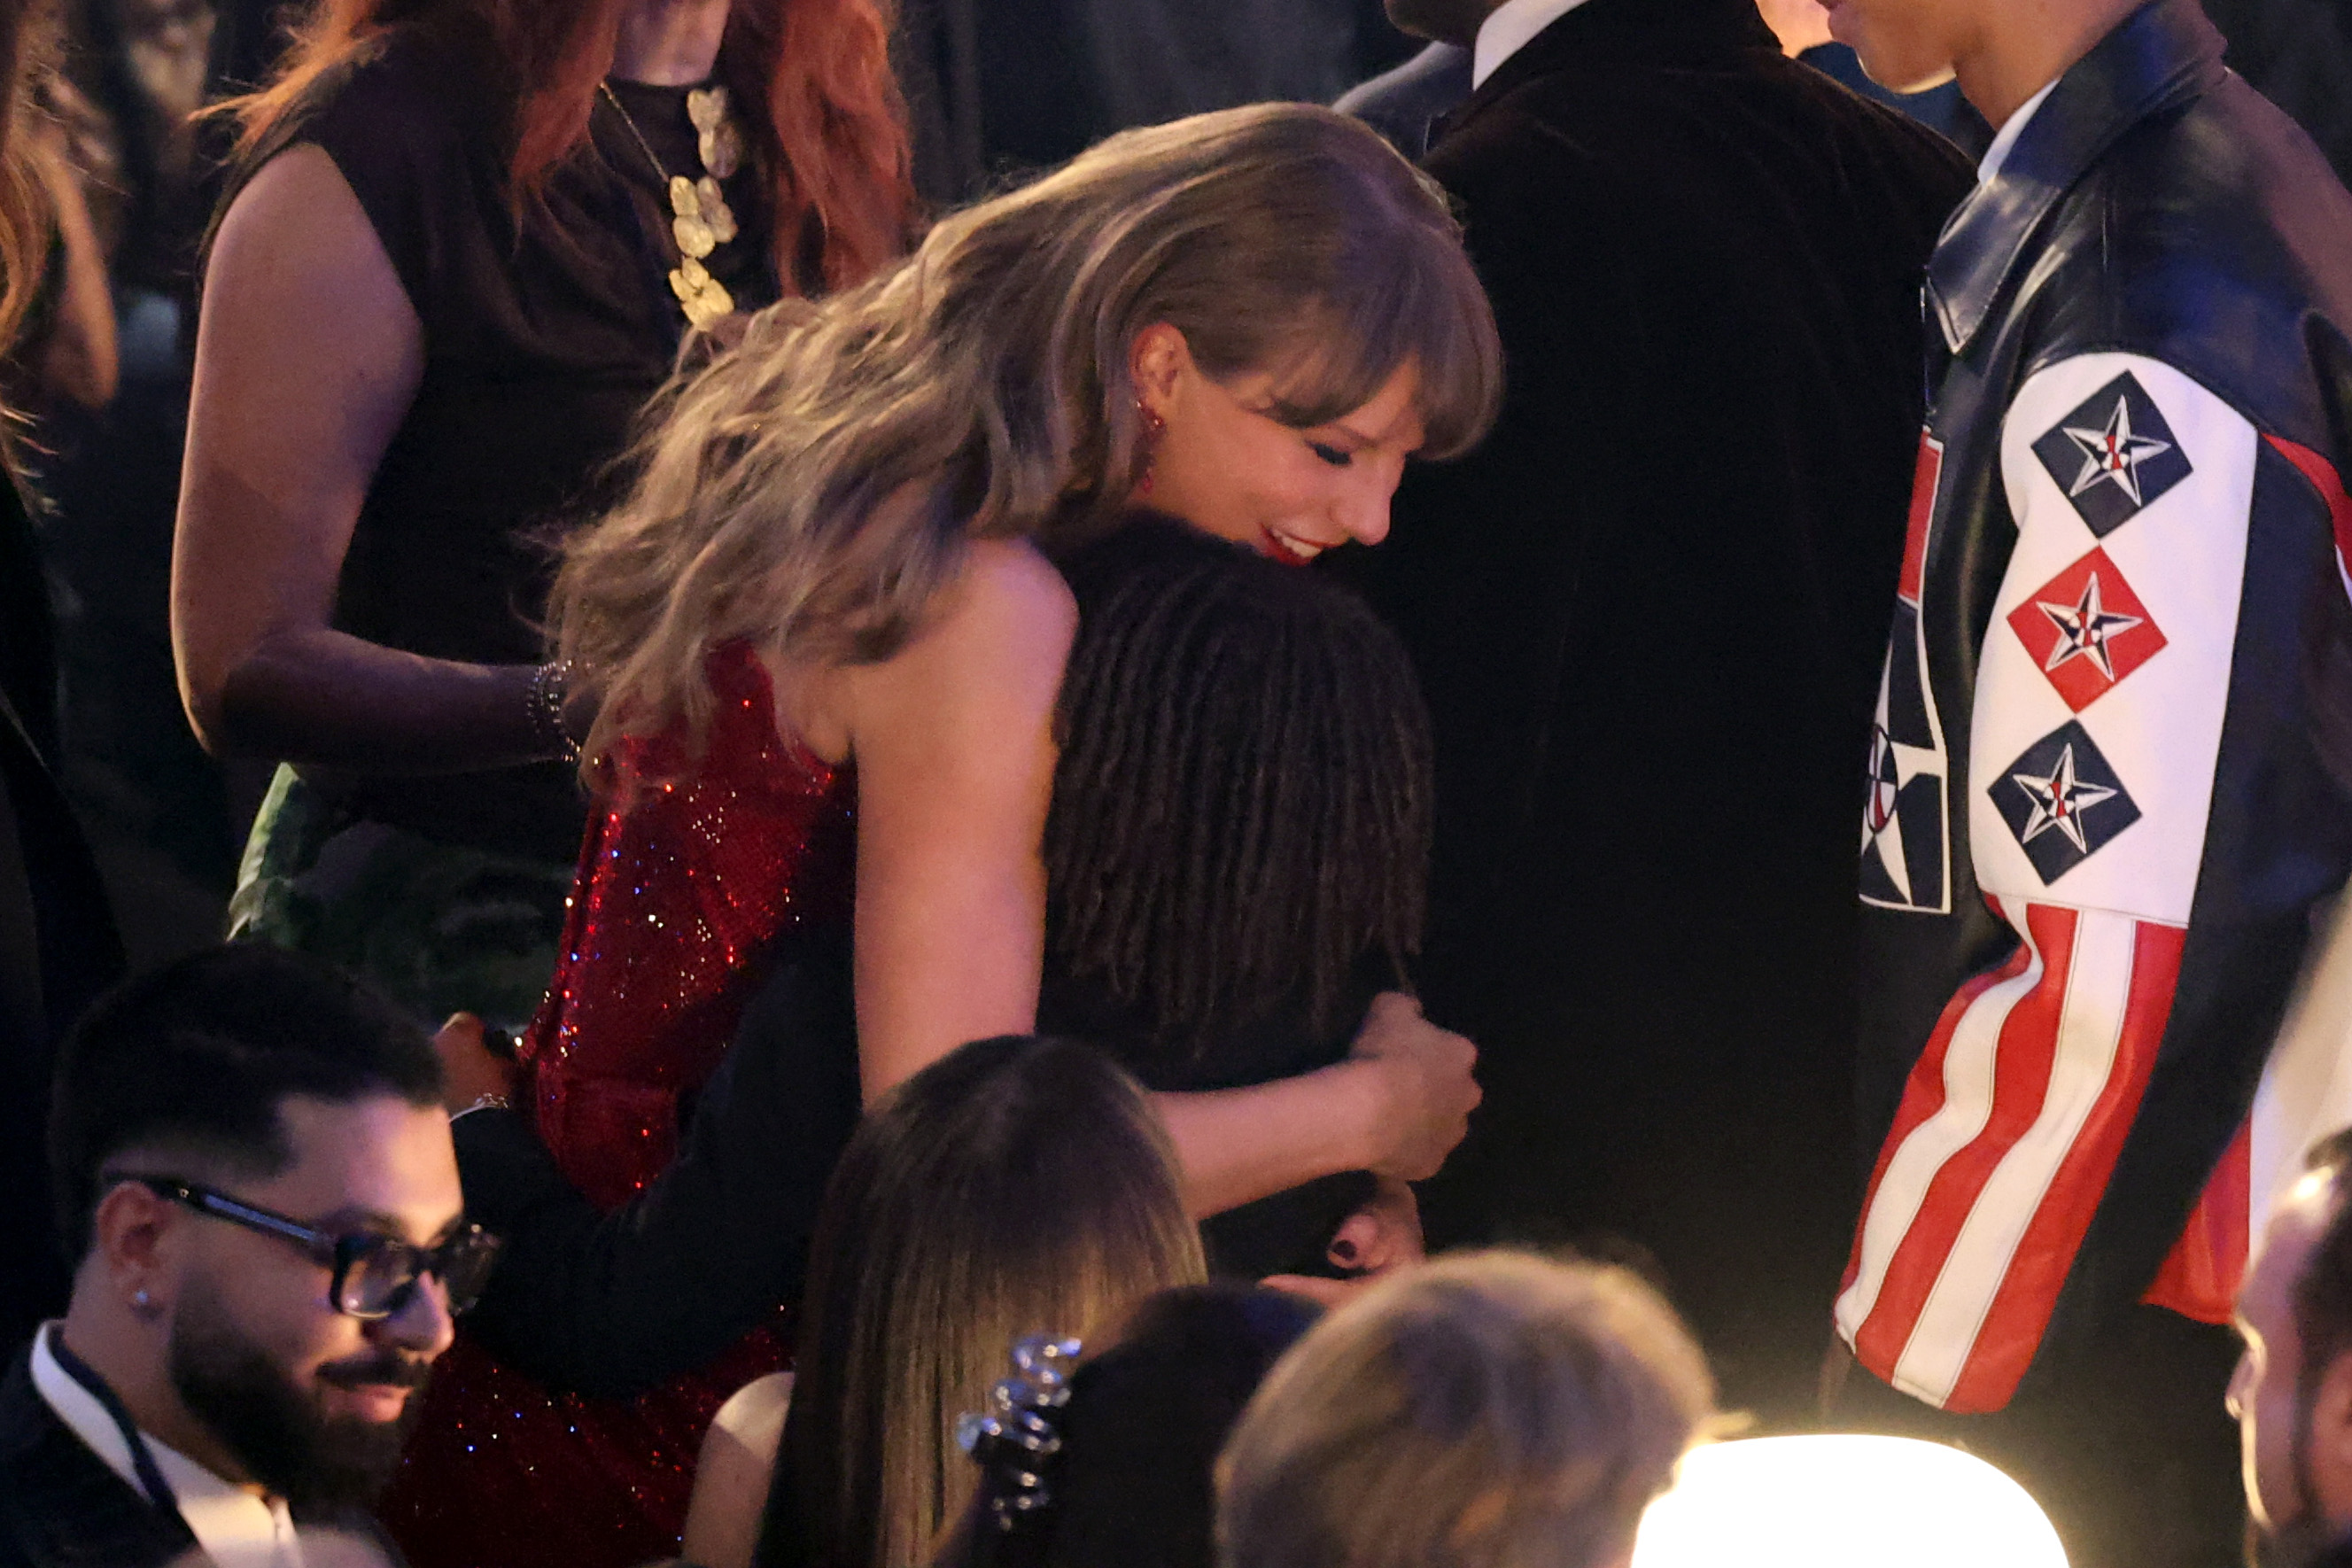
x=1508, y=27
x=2010, y=130
x=235, y=1526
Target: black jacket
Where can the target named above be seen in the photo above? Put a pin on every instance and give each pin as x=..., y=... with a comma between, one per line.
x=1646, y=615
x=2107, y=798
x=62, y=1507
x=613, y=1304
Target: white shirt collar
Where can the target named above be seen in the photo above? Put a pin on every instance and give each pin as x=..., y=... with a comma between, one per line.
x=1507, y=28
x=235, y=1526
x=2010, y=130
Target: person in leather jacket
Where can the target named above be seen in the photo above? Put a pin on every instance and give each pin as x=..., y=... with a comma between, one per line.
x=2107, y=811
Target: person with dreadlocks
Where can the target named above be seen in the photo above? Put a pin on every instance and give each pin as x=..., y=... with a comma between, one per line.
x=1237, y=853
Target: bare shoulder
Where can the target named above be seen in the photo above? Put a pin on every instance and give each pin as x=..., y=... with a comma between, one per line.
x=1007, y=587
x=1006, y=613
x=298, y=202
x=298, y=263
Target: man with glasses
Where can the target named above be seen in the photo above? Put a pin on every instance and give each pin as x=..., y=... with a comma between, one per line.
x=250, y=1157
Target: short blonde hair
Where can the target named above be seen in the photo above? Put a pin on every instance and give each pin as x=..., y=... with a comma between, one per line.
x=1491, y=1410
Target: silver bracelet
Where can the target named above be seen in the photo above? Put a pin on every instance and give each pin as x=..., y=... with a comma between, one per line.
x=483, y=1102
x=551, y=683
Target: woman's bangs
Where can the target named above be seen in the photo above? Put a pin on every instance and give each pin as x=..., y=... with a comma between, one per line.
x=1434, y=319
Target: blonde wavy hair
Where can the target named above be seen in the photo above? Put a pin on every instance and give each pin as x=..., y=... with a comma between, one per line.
x=813, y=490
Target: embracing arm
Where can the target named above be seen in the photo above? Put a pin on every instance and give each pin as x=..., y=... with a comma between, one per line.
x=953, y=742
x=308, y=355
x=1396, y=1106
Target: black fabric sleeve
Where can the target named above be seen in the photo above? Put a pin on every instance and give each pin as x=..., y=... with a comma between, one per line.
x=613, y=1304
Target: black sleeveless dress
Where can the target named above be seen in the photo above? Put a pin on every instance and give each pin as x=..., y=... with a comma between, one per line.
x=548, y=324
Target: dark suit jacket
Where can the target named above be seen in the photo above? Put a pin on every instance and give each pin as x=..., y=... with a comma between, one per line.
x=1649, y=615
x=1404, y=102
x=57, y=943
x=61, y=1507
x=2297, y=54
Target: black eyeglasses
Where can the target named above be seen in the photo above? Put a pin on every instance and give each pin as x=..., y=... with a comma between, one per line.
x=375, y=1275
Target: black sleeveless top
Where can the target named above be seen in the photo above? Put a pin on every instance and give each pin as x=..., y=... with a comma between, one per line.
x=546, y=330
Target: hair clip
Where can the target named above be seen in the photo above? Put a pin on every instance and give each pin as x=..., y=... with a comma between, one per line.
x=1016, y=1438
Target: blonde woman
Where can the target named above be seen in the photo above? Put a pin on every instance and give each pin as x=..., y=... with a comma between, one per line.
x=818, y=623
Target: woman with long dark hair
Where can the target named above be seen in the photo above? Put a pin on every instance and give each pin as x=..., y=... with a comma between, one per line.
x=463, y=242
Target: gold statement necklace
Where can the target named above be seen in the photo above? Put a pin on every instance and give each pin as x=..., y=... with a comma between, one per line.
x=701, y=219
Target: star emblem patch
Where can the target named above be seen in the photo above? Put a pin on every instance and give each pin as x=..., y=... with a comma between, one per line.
x=2062, y=801
x=2086, y=629
x=2114, y=457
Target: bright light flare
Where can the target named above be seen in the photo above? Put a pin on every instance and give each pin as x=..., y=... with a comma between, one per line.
x=1843, y=1502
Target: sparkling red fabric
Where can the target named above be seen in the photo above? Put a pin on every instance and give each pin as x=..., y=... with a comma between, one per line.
x=681, y=895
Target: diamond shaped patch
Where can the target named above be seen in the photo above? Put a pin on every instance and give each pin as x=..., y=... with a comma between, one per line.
x=2086, y=630
x=2061, y=800
x=2113, y=456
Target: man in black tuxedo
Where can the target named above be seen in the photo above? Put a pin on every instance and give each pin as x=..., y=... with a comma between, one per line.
x=1649, y=615
x=252, y=1160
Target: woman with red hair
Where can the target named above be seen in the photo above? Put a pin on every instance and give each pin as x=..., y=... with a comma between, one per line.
x=465, y=242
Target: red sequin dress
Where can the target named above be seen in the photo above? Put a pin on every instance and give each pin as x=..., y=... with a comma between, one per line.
x=681, y=895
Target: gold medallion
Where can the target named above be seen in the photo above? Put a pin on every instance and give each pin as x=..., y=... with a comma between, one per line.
x=721, y=144
x=704, y=297
x=714, y=210
x=701, y=219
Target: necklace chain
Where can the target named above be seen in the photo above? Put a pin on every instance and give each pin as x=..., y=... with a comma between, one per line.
x=701, y=219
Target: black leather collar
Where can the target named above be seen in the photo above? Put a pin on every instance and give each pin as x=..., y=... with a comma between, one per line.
x=2162, y=55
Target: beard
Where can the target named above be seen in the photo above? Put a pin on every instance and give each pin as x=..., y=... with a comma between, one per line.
x=2296, y=1545
x=278, y=1431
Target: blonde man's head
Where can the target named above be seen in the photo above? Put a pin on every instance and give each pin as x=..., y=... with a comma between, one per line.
x=1492, y=1410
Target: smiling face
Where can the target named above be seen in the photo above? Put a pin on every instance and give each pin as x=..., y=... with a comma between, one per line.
x=310, y=1403
x=1226, y=465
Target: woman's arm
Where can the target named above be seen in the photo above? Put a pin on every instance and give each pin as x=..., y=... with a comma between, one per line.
x=953, y=742
x=1397, y=1106
x=308, y=355
x=730, y=1501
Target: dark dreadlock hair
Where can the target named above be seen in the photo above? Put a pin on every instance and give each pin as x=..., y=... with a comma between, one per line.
x=1241, y=810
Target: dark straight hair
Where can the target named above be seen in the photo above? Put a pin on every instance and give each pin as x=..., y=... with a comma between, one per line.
x=197, y=1057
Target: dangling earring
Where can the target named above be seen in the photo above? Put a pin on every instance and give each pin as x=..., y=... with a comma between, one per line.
x=1154, y=427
